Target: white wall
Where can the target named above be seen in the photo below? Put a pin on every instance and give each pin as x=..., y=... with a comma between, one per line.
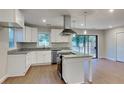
x=110, y=42
x=100, y=34
x=3, y=52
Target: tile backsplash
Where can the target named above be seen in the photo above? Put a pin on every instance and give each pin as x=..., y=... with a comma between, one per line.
x=34, y=45
x=60, y=44
x=26, y=45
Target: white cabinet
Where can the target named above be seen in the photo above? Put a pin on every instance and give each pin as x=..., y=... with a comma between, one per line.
x=11, y=18
x=57, y=37
x=43, y=57
x=34, y=34
x=30, y=34
x=19, y=64
x=73, y=70
x=16, y=65
x=34, y=60
x=19, y=35
x=28, y=60
x=27, y=34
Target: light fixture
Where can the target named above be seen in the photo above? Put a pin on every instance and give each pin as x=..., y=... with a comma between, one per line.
x=44, y=20
x=110, y=26
x=111, y=10
x=85, y=32
x=82, y=24
x=85, y=26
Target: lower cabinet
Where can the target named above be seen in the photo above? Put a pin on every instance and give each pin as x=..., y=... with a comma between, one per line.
x=43, y=57
x=19, y=64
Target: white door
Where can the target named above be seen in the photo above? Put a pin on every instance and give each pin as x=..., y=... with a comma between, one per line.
x=120, y=47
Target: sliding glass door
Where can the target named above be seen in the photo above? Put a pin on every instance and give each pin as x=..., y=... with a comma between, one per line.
x=86, y=44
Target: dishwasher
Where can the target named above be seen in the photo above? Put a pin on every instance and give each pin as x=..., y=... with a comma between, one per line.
x=54, y=56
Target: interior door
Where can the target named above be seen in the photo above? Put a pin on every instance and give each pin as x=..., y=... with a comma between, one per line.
x=120, y=47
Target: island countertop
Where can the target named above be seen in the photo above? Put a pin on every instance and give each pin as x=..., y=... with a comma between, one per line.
x=75, y=55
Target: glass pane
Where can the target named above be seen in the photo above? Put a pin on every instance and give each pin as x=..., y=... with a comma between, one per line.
x=43, y=39
x=81, y=44
x=84, y=44
x=11, y=38
x=92, y=45
x=75, y=43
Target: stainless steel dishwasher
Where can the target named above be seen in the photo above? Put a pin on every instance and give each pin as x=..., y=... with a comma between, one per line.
x=54, y=56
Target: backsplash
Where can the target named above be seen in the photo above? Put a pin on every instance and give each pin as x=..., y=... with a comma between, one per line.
x=60, y=44
x=26, y=45
x=34, y=45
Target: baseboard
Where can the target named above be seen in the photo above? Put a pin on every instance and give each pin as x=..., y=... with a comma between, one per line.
x=109, y=59
x=38, y=64
x=16, y=75
x=3, y=79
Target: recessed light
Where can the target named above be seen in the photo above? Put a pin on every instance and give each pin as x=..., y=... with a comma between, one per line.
x=82, y=24
x=111, y=10
x=110, y=26
x=85, y=32
x=44, y=20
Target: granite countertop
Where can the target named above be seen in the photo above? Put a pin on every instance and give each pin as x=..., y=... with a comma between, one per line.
x=27, y=50
x=77, y=55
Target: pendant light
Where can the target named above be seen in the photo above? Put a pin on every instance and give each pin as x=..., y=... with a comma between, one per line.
x=85, y=26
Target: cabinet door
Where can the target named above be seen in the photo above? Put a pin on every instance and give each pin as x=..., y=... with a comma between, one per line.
x=47, y=57
x=40, y=56
x=53, y=36
x=33, y=56
x=27, y=34
x=16, y=65
x=28, y=60
x=19, y=35
x=34, y=34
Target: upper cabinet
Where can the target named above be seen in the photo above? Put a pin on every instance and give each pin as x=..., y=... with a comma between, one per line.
x=57, y=37
x=30, y=34
x=34, y=34
x=11, y=18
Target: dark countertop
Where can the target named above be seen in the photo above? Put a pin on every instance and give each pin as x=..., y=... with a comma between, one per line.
x=27, y=50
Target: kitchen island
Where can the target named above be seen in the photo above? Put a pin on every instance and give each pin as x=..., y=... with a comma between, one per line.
x=73, y=68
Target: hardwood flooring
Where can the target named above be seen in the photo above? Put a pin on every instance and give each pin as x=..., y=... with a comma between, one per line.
x=46, y=74
x=104, y=72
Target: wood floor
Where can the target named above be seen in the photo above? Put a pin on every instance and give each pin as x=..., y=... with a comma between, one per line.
x=104, y=72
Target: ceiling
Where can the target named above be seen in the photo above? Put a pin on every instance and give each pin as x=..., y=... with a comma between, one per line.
x=96, y=18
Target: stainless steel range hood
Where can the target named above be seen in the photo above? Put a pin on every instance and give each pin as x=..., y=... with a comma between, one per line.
x=67, y=26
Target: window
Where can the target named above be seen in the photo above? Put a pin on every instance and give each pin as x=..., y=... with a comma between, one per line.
x=11, y=38
x=43, y=39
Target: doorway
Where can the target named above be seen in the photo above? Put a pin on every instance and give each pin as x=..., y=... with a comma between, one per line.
x=120, y=47
x=86, y=44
